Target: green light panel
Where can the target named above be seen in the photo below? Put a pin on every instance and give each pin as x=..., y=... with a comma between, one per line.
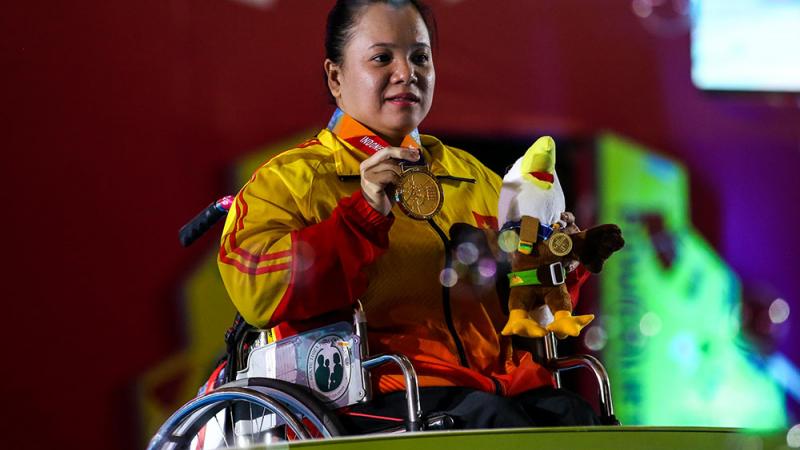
x=670, y=306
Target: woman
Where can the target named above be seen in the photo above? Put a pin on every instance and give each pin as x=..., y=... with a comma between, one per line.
x=316, y=228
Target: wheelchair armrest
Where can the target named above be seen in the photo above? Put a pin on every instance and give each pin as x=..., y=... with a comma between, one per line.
x=414, y=420
x=545, y=352
x=600, y=374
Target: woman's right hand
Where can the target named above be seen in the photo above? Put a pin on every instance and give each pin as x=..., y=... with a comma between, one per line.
x=380, y=171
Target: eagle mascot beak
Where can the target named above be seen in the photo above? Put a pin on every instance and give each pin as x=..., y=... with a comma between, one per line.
x=539, y=163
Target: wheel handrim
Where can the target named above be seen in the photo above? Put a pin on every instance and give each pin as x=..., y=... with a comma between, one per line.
x=196, y=420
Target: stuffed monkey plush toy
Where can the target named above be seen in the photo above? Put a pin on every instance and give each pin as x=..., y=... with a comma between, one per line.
x=530, y=209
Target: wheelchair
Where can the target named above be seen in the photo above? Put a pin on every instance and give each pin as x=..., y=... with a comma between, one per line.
x=271, y=391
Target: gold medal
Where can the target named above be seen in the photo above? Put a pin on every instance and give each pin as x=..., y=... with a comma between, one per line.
x=418, y=192
x=559, y=244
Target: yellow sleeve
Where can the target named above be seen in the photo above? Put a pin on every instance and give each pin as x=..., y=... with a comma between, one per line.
x=280, y=260
x=255, y=256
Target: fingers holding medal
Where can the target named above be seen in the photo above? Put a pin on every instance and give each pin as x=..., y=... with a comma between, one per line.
x=383, y=170
x=396, y=174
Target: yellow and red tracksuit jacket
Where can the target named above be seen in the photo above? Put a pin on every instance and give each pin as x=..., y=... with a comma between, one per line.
x=301, y=245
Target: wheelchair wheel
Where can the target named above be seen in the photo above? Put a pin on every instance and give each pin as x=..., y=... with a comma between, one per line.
x=246, y=413
x=300, y=401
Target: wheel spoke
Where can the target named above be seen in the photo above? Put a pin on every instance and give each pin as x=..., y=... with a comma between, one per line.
x=263, y=416
x=222, y=431
x=232, y=424
x=250, y=423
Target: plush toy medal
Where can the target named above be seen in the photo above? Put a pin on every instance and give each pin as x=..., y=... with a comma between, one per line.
x=418, y=193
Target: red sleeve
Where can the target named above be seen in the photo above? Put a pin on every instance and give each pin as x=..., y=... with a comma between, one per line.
x=329, y=260
x=574, y=281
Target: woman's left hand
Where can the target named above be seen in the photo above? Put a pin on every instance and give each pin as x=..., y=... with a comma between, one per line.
x=569, y=219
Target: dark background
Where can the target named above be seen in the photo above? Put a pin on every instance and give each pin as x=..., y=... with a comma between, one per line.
x=121, y=119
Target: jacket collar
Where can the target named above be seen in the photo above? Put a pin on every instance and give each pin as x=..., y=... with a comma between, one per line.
x=344, y=136
x=359, y=136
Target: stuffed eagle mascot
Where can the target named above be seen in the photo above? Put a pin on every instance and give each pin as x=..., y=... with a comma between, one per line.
x=532, y=230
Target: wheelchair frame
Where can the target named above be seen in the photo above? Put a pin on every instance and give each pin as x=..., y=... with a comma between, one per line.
x=307, y=417
x=291, y=405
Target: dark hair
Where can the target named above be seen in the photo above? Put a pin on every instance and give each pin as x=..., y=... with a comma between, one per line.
x=342, y=19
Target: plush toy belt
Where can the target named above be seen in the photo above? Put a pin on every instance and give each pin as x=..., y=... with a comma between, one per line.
x=543, y=233
x=547, y=275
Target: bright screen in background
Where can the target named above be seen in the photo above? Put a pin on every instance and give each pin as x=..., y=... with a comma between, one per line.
x=746, y=45
x=670, y=307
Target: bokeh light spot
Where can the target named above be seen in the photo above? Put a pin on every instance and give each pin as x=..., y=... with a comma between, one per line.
x=448, y=277
x=642, y=8
x=508, y=240
x=684, y=350
x=487, y=267
x=778, y=311
x=467, y=253
x=793, y=436
x=304, y=256
x=595, y=338
x=650, y=324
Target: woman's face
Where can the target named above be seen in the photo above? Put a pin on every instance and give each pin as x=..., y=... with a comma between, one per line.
x=386, y=78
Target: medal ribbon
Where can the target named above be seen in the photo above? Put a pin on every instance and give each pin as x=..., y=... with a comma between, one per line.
x=362, y=138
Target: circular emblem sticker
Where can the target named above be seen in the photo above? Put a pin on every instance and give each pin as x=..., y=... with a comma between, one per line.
x=328, y=367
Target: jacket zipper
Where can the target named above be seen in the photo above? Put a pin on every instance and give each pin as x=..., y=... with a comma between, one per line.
x=448, y=262
x=448, y=314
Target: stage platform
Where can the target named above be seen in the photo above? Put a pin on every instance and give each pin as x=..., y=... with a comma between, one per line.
x=590, y=438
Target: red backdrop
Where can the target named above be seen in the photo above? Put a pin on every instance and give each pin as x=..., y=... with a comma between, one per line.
x=120, y=119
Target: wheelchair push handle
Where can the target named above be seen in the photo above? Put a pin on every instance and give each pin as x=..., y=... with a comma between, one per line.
x=205, y=220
